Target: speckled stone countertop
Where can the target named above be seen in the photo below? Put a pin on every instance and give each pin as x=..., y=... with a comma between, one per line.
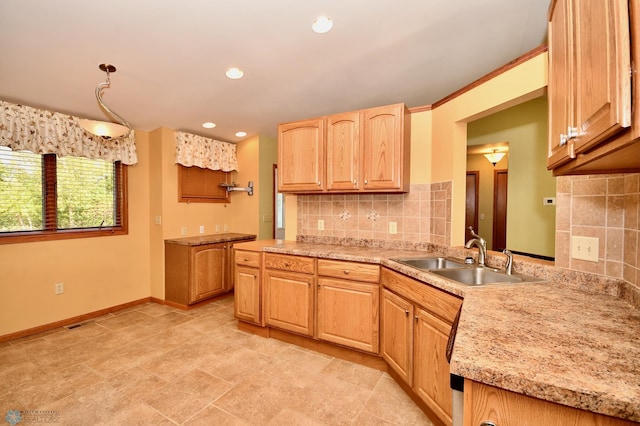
x=210, y=239
x=548, y=340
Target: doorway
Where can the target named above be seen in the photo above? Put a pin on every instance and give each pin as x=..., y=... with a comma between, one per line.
x=471, y=212
x=500, y=180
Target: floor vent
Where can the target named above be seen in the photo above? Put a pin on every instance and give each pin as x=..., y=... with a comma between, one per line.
x=71, y=327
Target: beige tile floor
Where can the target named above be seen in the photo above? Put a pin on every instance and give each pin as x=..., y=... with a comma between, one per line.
x=155, y=365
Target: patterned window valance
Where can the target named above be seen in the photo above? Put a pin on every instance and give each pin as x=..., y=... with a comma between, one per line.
x=194, y=150
x=45, y=132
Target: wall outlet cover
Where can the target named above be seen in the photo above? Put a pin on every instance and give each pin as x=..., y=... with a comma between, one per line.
x=585, y=248
x=393, y=228
x=320, y=225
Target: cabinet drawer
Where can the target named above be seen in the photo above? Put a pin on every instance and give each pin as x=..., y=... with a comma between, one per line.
x=287, y=262
x=349, y=270
x=247, y=258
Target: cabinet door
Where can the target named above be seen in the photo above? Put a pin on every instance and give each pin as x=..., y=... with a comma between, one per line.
x=348, y=313
x=602, y=75
x=289, y=301
x=396, y=345
x=208, y=271
x=560, y=91
x=200, y=185
x=431, y=369
x=483, y=403
x=247, y=294
x=384, y=148
x=343, y=155
x=301, y=156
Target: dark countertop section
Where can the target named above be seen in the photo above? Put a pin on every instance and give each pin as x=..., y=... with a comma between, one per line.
x=211, y=239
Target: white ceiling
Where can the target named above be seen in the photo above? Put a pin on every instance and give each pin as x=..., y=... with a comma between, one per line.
x=171, y=56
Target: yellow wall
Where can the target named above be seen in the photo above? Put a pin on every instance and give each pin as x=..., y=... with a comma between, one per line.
x=103, y=272
x=268, y=154
x=449, y=137
x=97, y=273
x=530, y=224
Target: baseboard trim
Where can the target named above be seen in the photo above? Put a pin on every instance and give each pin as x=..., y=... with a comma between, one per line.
x=72, y=320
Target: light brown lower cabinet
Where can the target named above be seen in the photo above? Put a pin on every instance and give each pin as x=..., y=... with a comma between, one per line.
x=488, y=404
x=289, y=284
x=196, y=273
x=247, y=291
x=348, y=299
x=416, y=321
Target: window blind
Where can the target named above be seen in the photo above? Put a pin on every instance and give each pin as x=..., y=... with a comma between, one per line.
x=21, y=191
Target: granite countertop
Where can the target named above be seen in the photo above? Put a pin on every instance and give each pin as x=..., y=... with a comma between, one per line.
x=547, y=340
x=210, y=239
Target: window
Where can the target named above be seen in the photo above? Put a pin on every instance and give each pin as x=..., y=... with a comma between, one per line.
x=45, y=197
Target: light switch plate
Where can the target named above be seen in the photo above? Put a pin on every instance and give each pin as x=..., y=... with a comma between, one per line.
x=585, y=248
x=393, y=228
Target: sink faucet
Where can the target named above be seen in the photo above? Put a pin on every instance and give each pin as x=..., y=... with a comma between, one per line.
x=509, y=264
x=479, y=242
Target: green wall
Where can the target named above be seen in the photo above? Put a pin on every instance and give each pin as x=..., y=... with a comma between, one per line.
x=530, y=224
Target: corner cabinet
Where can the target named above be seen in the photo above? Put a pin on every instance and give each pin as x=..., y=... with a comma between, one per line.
x=197, y=270
x=359, y=151
x=592, y=128
x=416, y=321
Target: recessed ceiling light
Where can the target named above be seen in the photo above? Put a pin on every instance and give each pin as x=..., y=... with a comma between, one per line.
x=322, y=24
x=241, y=134
x=208, y=125
x=234, y=73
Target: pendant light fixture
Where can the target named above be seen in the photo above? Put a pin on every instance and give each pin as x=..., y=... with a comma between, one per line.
x=106, y=129
x=495, y=157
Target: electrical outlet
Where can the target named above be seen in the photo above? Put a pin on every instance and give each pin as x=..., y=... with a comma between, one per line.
x=202, y=229
x=183, y=231
x=393, y=227
x=59, y=289
x=320, y=225
x=585, y=248
x=217, y=228
x=158, y=220
x=226, y=227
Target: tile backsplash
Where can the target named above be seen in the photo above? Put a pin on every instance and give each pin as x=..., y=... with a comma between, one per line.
x=606, y=207
x=422, y=215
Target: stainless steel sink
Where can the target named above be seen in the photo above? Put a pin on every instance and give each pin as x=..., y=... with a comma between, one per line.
x=480, y=275
x=457, y=270
x=430, y=263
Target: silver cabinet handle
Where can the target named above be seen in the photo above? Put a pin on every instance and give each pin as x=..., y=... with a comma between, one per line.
x=355, y=182
x=346, y=272
x=487, y=423
x=318, y=183
x=563, y=139
x=406, y=313
x=572, y=132
x=366, y=181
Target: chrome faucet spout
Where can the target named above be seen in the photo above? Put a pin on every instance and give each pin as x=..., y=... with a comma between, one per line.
x=509, y=265
x=479, y=242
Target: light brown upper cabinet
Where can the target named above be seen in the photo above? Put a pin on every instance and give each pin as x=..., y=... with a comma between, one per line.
x=301, y=156
x=200, y=185
x=592, y=128
x=360, y=151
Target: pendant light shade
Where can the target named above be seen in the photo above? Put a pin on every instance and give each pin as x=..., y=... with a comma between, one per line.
x=495, y=157
x=106, y=129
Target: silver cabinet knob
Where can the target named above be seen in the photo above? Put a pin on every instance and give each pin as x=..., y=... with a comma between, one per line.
x=487, y=423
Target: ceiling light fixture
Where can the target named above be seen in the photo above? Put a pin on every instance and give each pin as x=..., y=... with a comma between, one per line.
x=322, y=24
x=234, y=73
x=495, y=157
x=106, y=129
x=208, y=125
x=241, y=134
